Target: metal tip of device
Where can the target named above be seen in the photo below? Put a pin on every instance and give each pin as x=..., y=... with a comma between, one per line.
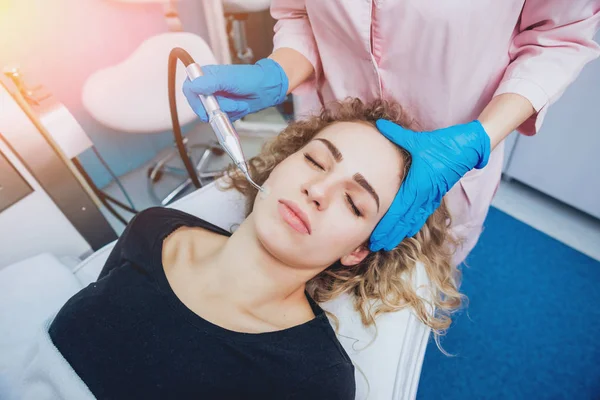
x=256, y=185
x=244, y=168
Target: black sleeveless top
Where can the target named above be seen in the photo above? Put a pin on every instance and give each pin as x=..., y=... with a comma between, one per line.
x=128, y=336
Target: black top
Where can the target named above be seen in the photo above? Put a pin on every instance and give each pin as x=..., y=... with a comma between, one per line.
x=128, y=336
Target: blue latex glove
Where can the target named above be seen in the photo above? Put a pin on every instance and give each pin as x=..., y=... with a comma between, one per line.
x=439, y=159
x=239, y=89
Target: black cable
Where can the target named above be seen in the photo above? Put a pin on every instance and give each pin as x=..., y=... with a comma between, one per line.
x=117, y=181
x=118, y=203
x=179, y=54
x=110, y=208
x=101, y=195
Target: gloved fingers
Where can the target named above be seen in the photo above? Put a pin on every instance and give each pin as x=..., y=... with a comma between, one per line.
x=375, y=245
x=403, y=137
x=396, y=238
x=397, y=235
x=406, y=226
x=389, y=233
x=424, y=194
x=238, y=115
x=425, y=206
x=231, y=106
x=194, y=101
x=397, y=223
x=393, y=224
x=208, y=85
x=401, y=225
x=235, y=109
x=419, y=220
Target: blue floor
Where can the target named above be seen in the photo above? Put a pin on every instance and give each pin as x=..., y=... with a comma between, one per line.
x=531, y=328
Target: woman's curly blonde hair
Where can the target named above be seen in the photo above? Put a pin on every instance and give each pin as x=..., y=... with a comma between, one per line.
x=382, y=282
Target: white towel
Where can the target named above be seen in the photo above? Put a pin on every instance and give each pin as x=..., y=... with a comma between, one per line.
x=46, y=375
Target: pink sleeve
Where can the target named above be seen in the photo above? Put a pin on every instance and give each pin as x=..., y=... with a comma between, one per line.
x=293, y=30
x=553, y=44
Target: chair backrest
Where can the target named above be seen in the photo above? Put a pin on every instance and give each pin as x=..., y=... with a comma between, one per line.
x=132, y=96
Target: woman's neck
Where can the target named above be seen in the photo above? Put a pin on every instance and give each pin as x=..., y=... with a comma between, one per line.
x=247, y=275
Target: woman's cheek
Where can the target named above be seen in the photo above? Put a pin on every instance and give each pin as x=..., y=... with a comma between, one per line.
x=338, y=237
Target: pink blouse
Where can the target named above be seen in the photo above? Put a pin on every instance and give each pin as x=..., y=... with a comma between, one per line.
x=443, y=61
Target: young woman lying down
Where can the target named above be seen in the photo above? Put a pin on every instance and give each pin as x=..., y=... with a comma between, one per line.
x=184, y=309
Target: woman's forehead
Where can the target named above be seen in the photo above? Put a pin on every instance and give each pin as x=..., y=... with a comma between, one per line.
x=365, y=150
x=349, y=127
x=359, y=139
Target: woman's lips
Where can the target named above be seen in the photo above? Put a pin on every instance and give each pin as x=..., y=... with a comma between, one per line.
x=294, y=216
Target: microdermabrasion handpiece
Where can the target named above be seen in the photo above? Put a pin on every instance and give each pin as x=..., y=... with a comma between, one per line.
x=222, y=127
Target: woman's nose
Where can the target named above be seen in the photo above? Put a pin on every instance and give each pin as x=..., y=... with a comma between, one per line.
x=316, y=193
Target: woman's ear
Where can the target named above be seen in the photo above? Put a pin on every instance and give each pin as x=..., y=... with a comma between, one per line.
x=355, y=257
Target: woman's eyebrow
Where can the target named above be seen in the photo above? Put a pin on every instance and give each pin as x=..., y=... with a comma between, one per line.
x=362, y=181
x=358, y=178
x=335, y=152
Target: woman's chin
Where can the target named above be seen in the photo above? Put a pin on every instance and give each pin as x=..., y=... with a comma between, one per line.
x=287, y=243
x=279, y=242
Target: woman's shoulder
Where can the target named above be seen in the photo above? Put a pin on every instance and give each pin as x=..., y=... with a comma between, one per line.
x=163, y=214
x=148, y=229
x=166, y=220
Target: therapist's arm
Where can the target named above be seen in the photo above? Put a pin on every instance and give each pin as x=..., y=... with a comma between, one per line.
x=245, y=89
x=295, y=46
x=554, y=42
x=297, y=67
x=504, y=114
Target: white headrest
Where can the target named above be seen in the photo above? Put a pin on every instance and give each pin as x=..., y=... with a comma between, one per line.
x=246, y=6
x=133, y=95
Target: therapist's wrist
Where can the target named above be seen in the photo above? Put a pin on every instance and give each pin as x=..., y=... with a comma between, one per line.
x=296, y=67
x=505, y=113
x=484, y=143
x=275, y=76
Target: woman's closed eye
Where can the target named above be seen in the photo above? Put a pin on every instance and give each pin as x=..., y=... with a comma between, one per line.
x=353, y=207
x=312, y=161
x=349, y=200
